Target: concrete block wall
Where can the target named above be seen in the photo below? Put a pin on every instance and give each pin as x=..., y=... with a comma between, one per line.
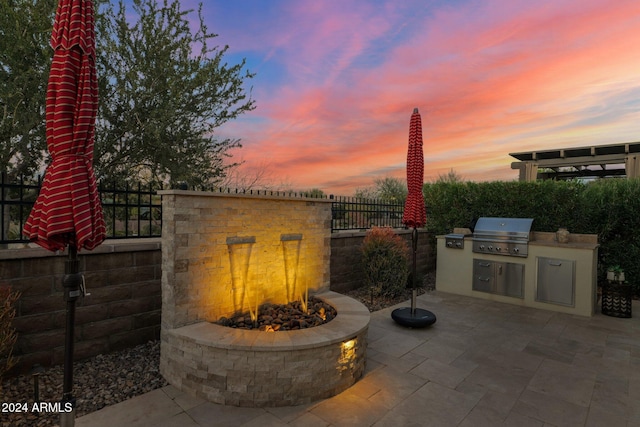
x=224, y=253
x=122, y=310
x=346, y=259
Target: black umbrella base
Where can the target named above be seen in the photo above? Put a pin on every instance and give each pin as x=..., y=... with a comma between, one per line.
x=419, y=319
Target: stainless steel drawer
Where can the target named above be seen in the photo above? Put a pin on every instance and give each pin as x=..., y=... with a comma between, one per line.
x=483, y=276
x=503, y=278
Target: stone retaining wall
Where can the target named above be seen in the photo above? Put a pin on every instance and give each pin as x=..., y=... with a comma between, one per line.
x=122, y=310
x=346, y=260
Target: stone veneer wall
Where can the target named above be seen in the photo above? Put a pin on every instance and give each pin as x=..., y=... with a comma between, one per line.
x=223, y=253
x=122, y=310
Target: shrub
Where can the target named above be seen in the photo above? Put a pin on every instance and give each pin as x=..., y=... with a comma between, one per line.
x=385, y=260
x=610, y=209
x=8, y=334
x=552, y=204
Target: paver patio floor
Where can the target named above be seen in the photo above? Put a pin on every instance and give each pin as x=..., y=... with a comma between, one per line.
x=482, y=363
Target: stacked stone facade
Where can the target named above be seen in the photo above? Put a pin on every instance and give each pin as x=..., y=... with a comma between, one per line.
x=225, y=253
x=252, y=368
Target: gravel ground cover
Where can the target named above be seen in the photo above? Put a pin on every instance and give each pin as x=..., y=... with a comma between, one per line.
x=111, y=378
x=99, y=381
x=363, y=294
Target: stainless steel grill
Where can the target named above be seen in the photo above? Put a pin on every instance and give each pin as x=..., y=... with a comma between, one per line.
x=502, y=236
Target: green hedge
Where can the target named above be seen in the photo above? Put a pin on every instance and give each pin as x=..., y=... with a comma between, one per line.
x=609, y=208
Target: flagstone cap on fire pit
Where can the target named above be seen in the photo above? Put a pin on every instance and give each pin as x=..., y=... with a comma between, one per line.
x=352, y=319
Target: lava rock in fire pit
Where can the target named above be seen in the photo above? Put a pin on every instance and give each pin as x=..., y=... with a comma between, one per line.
x=283, y=317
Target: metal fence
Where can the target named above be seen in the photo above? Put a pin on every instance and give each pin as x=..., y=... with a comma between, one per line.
x=354, y=213
x=129, y=211
x=16, y=201
x=132, y=211
x=136, y=211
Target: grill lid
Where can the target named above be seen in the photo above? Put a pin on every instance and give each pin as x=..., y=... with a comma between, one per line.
x=503, y=228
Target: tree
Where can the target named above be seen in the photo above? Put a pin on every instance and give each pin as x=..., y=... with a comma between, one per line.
x=315, y=193
x=450, y=177
x=25, y=58
x=388, y=188
x=243, y=177
x=160, y=99
x=366, y=192
x=391, y=188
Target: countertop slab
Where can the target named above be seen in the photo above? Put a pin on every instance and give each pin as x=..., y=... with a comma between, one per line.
x=576, y=241
x=542, y=238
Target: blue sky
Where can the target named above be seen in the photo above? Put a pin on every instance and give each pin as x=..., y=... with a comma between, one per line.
x=336, y=82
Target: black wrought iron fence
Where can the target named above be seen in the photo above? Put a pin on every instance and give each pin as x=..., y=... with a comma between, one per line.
x=354, y=213
x=16, y=200
x=129, y=211
x=133, y=211
x=347, y=213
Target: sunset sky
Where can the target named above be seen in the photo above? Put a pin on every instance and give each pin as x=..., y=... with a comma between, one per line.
x=336, y=82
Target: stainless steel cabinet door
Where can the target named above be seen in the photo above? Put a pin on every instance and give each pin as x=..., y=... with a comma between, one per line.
x=510, y=279
x=556, y=281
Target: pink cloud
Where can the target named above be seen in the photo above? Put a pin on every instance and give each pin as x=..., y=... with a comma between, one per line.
x=489, y=79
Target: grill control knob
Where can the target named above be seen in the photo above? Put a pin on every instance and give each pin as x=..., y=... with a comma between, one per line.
x=498, y=249
x=482, y=247
x=450, y=244
x=516, y=250
x=490, y=248
x=459, y=245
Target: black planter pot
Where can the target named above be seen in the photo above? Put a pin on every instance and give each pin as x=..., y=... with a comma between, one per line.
x=617, y=299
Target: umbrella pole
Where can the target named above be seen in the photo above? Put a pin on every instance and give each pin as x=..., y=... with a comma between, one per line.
x=414, y=291
x=71, y=283
x=411, y=316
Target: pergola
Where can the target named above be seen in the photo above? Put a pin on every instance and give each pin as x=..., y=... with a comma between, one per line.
x=595, y=161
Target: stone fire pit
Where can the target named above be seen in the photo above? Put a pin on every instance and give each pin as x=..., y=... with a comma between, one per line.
x=226, y=253
x=243, y=367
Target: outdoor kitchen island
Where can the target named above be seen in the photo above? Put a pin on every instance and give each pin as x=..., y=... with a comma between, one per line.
x=553, y=276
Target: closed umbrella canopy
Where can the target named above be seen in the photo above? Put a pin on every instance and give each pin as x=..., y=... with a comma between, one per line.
x=415, y=214
x=68, y=210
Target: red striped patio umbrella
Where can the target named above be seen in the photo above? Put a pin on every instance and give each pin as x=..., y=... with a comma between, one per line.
x=414, y=216
x=68, y=211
